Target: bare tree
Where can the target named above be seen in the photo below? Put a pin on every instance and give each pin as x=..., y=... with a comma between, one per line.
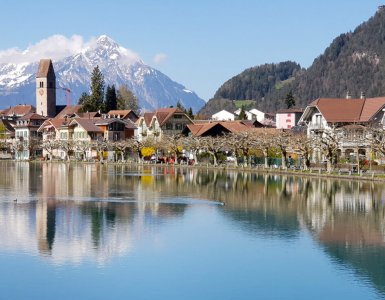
x=213, y=145
x=121, y=146
x=193, y=144
x=66, y=146
x=328, y=142
x=83, y=147
x=283, y=142
x=303, y=146
x=50, y=145
x=264, y=141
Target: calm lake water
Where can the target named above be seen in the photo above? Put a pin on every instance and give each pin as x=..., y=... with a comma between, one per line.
x=119, y=232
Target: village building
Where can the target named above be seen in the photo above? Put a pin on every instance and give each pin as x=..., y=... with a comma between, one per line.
x=223, y=115
x=164, y=121
x=27, y=136
x=348, y=116
x=288, y=118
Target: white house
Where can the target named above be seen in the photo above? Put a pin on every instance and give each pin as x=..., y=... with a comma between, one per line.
x=223, y=115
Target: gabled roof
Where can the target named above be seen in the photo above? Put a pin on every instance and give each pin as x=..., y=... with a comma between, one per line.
x=122, y=114
x=340, y=110
x=229, y=126
x=147, y=117
x=69, y=110
x=45, y=68
x=87, y=124
x=163, y=114
x=7, y=125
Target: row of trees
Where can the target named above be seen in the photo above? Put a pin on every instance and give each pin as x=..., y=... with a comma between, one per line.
x=262, y=143
x=111, y=99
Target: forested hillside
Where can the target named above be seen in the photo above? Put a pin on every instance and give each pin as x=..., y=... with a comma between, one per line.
x=354, y=62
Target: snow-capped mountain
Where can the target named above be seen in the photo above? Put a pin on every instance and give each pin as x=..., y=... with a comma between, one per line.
x=119, y=66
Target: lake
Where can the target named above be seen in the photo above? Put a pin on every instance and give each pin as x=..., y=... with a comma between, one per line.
x=91, y=231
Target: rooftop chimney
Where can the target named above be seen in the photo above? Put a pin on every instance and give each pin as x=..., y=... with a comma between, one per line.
x=363, y=95
x=348, y=95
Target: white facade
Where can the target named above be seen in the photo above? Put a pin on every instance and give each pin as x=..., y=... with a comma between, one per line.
x=257, y=114
x=223, y=115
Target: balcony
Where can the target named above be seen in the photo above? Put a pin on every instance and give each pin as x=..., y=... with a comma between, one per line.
x=316, y=126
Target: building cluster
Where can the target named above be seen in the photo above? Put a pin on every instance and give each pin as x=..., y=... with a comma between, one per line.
x=27, y=128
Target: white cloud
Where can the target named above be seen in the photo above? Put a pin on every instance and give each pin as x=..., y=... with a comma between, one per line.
x=55, y=47
x=159, y=58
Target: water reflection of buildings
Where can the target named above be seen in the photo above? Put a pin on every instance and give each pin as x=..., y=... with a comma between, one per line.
x=71, y=213
x=55, y=217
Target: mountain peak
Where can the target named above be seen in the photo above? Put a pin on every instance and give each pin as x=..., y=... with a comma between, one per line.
x=106, y=42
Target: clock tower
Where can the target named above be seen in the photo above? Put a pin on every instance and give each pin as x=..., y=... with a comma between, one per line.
x=46, y=89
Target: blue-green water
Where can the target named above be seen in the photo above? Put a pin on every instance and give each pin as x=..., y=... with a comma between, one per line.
x=118, y=232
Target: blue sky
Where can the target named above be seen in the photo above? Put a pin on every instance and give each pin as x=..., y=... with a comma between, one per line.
x=197, y=43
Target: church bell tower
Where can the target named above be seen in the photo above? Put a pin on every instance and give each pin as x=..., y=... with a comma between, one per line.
x=46, y=89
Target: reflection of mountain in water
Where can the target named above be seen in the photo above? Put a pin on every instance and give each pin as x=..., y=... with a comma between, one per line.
x=72, y=212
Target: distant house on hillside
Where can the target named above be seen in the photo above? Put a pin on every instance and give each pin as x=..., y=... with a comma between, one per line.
x=223, y=115
x=288, y=118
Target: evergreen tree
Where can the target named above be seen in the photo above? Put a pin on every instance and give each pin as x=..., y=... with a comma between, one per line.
x=289, y=100
x=127, y=100
x=190, y=113
x=242, y=114
x=84, y=98
x=94, y=102
x=111, y=99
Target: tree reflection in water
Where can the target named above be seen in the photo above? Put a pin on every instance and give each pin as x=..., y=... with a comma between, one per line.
x=98, y=211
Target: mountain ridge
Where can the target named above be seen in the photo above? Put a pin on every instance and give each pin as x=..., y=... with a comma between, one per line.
x=354, y=62
x=118, y=65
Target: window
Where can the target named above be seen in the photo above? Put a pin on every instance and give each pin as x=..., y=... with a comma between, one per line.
x=177, y=116
x=169, y=126
x=288, y=121
x=178, y=126
x=289, y=115
x=41, y=84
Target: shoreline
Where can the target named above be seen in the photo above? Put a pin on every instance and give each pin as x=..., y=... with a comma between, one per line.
x=310, y=173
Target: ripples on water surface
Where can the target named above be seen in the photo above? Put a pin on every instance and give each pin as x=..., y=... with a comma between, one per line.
x=118, y=232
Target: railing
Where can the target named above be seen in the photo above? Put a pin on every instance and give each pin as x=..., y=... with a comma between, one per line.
x=316, y=126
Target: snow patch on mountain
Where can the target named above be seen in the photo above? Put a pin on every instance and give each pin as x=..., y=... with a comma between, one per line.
x=120, y=66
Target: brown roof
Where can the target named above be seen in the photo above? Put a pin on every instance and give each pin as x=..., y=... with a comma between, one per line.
x=371, y=107
x=68, y=111
x=45, y=68
x=32, y=116
x=348, y=110
x=8, y=125
x=202, y=128
x=19, y=110
x=87, y=124
x=148, y=118
x=121, y=113
x=337, y=110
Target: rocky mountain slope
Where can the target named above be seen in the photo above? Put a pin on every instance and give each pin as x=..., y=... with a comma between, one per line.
x=153, y=88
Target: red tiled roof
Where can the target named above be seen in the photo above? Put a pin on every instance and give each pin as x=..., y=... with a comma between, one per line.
x=371, y=107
